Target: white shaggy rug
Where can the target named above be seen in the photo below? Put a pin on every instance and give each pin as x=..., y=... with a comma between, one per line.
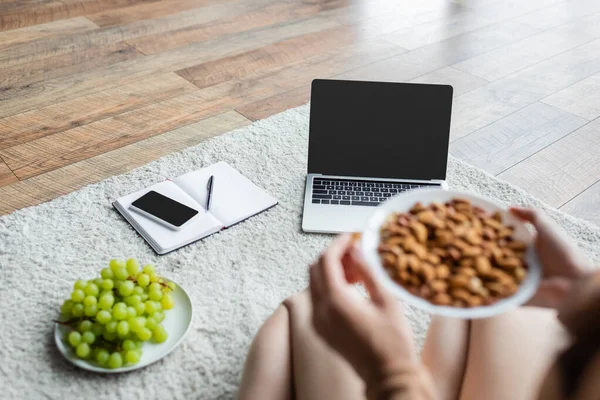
x=235, y=278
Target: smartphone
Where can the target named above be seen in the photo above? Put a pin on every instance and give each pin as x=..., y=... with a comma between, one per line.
x=164, y=210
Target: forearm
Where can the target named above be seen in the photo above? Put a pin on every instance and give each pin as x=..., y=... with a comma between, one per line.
x=409, y=382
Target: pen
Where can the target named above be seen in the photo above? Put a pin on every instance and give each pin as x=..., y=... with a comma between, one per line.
x=209, y=189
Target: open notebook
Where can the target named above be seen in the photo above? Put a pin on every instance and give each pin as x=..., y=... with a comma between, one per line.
x=234, y=199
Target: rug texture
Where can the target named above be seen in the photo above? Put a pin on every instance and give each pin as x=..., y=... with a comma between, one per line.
x=235, y=278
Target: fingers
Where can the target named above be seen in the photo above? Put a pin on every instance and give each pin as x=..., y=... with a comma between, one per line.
x=327, y=274
x=526, y=214
x=365, y=274
x=331, y=271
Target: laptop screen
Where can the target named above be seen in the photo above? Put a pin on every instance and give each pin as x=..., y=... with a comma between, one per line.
x=379, y=130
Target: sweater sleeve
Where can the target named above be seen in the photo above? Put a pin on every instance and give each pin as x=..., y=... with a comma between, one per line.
x=409, y=382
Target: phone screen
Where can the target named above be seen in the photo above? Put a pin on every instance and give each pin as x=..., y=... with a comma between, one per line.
x=165, y=208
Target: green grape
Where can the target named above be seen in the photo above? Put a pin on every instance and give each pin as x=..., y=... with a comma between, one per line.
x=77, y=296
x=106, y=292
x=121, y=273
x=83, y=350
x=144, y=334
x=135, y=299
x=77, y=310
x=131, y=312
x=155, y=295
x=91, y=311
x=79, y=284
x=98, y=281
x=126, y=288
x=110, y=336
x=90, y=301
x=74, y=338
x=151, y=323
x=171, y=285
x=159, y=334
x=123, y=328
x=88, y=337
x=151, y=307
x=139, y=344
x=137, y=323
x=108, y=284
x=148, y=268
x=119, y=311
x=117, y=284
x=106, y=301
x=102, y=356
x=133, y=267
x=153, y=277
x=85, y=326
x=143, y=280
x=138, y=290
x=155, y=286
x=167, y=302
x=132, y=356
x=116, y=264
x=103, y=317
x=67, y=307
x=111, y=327
x=158, y=316
x=97, y=329
x=128, y=344
x=107, y=273
x=140, y=308
x=91, y=289
x=115, y=360
x=144, y=297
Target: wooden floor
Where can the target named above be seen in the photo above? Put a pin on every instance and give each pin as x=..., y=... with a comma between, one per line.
x=90, y=88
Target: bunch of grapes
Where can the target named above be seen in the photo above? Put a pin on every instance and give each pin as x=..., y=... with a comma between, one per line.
x=113, y=315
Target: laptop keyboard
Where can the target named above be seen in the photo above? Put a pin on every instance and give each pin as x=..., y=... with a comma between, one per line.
x=358, y=193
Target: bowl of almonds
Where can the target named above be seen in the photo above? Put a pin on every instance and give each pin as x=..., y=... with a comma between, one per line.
x=452, y=253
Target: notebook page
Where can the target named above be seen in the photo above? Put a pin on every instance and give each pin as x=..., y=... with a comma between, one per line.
x=235, y=197
x=167, y=239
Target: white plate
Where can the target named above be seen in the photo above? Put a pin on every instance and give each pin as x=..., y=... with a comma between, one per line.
x=403, y=203
x=177, y=323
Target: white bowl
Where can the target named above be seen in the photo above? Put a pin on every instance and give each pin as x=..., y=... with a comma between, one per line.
x=177, y=323
x=403, y=203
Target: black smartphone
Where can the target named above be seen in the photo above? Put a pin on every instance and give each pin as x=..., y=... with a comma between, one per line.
x=164, y=210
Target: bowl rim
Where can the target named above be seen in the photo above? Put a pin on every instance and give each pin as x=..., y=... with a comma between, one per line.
x=370, y=241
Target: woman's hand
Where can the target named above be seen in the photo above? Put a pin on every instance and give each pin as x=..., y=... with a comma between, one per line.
x=562, y=262
x=372, y=334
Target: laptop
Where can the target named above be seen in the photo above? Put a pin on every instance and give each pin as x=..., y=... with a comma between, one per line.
x=369, y=141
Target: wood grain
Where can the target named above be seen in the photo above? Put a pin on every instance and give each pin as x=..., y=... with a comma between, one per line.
x=585, y=205
x=51, y=152
x=502, y=97
x=75, y=176
x=459, y=80
x=17, y=77
x=582, y=98
x=432, y=57
x=267, y=57
x=566, y=167
x=73, y=26
x=498, y=63
x=64, y=88
x=22, y=128
x=6, y=175
x=18, y=15
x=271, y=14
x=512, y=139
x=126, y=15
x=275, y=104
